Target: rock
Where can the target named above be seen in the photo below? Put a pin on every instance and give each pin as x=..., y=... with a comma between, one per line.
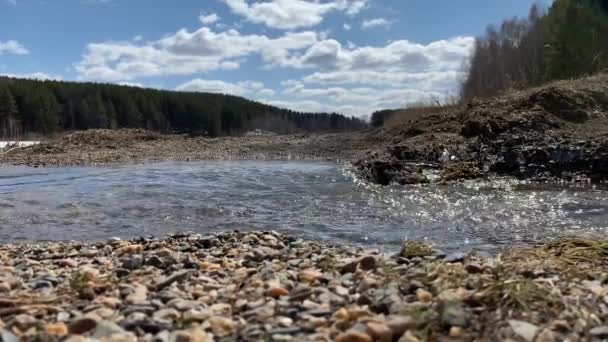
x=380, y=332
x=600, y=332
x=368, y=263
x=25, y=321
x=454, y=257
x=523, y=329
x=195, y=316
x=166, y=314
x=367, y=283
x=309, y=275
x=546, y=336
x=130, y=249
x=6, y=336
x=409, y=337
x=192, y=335
x=58, y=329
x=424, y=296
x=82, y=325
x=276, y=290
x=132, y=262
x=353, y=336
x=400, y=324
x=221, y=326
x=473, y=268
x=560, y=326
x=140, y=294
x=455, y=331
x=175, y=277
x=107, y=329
x=262, y=253
x=349, y=267
x=156, y=262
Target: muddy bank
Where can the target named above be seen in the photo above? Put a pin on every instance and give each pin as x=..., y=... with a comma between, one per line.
x=134, y=146
x=555, y=132
x=256, y=286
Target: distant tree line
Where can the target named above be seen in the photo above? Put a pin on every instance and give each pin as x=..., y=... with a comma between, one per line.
x=378, y=118
x=568, y=40
x=45, y=107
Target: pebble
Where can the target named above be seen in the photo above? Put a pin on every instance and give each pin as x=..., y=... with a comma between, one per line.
x=140, y=294
x=368, y=263
x=309, y=275
x=59, y=329
x=191, y=290
x=380, y=332
x=82, y=325
x=525, y=330
x=409, y=337
x=455, y=331
x=424, y=296
x=546, y=336
x=107, y=329
x=400, y=324
x=221, y=326
x=353, y=336
x=473, y=268
x=600, y=332
x=455, y=257
x=175, y=277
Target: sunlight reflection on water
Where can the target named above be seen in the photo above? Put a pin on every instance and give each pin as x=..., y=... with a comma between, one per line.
x=314, y=199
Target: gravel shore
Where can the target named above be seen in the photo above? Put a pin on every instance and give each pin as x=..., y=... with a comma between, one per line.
x=252, y=286
x=127, y=146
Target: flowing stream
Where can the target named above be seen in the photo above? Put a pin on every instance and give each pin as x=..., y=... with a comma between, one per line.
x=310, y=199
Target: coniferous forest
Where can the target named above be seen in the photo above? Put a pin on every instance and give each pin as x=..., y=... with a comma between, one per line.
x=47, y=107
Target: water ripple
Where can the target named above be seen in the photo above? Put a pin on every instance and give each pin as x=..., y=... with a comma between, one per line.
x=313, y=199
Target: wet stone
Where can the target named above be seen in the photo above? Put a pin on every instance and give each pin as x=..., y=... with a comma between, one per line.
x=600, y=332
x=82, y=325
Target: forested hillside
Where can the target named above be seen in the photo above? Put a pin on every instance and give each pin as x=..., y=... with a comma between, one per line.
x=568, y=40
x=45, y=107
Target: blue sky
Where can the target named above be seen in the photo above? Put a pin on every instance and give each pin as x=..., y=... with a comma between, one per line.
x=350, y=56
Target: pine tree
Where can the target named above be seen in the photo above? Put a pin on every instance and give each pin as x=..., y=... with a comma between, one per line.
x=8, y=113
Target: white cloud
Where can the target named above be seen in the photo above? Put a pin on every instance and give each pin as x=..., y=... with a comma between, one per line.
x=346, y=27
x=376, y=22
x=209, y=19
x=221, y=87
x=353, y=101
x=266, y=92
x=292, y=14
x=138, y=38
x=13, y=47
x=185, y=53
x=34, y=76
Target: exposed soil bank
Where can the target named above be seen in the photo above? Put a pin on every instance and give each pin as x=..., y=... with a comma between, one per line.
x=134, y=146
x=256, y=286
x=558, y=131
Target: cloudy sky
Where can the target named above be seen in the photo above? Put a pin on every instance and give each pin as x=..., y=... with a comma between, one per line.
x=348, y=56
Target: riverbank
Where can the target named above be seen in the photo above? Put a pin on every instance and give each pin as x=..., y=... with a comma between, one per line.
x=557, y=132
x=266, y=286
x=98, y=147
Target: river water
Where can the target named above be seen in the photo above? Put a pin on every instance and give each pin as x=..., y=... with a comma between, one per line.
x=310, y=199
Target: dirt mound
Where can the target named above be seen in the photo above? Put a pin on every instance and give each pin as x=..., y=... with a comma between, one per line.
x=556, y=131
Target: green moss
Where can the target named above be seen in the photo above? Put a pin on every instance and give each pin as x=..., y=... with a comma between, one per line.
x=412, y=249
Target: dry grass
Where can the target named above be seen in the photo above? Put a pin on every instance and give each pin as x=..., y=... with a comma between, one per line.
x=421, y=110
